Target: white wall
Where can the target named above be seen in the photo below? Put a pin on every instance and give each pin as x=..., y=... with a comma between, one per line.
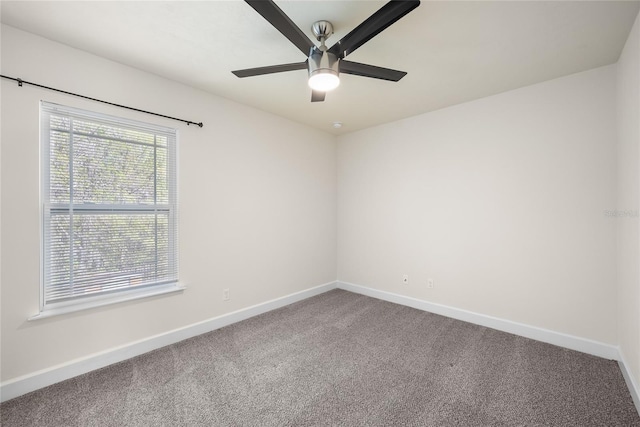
x=257, y=204
x=501, y=201
x=628, y=253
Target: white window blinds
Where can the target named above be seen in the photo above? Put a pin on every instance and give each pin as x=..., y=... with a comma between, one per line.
x=109, y=205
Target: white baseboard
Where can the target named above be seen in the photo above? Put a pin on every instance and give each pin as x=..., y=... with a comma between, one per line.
x=556, y=338
x=34, y=381
x=634, y=387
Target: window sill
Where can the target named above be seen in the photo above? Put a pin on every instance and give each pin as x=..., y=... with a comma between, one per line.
x=103, y=301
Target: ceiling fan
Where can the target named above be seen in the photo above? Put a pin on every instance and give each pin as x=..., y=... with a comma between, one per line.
x=325, y=64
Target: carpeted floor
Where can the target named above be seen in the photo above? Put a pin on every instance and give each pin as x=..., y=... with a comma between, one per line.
x=341, y=359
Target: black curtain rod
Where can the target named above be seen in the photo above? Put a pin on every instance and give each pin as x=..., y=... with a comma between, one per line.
x=21, y=82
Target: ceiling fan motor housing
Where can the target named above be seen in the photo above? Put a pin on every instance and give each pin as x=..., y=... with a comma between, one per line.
x=322, y=62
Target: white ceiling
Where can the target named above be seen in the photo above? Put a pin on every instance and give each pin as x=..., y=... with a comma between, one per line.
x=453, y=51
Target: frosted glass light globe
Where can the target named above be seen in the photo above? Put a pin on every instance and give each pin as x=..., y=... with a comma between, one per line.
x=324, y=81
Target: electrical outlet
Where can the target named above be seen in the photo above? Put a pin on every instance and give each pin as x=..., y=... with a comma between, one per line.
x=225, y=295
x=405, y=279
x=430, y=283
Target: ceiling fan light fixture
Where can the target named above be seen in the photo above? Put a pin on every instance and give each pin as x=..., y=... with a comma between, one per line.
x=324, y=80
x=323, y=70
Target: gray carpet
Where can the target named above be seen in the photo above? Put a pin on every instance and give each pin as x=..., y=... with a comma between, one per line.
x=341, y=359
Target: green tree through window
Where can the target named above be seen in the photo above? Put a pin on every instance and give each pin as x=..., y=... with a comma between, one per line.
x=109, y=196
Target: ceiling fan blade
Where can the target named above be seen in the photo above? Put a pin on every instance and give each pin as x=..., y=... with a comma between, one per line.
x=317, y=96
x=372, y=26
x=364, y=70
x=276, y=17
x=249, y=72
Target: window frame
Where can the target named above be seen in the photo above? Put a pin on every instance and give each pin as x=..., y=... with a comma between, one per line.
x=120, y=294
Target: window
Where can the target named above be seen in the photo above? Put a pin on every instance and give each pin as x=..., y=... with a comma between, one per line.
x=109, y=208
